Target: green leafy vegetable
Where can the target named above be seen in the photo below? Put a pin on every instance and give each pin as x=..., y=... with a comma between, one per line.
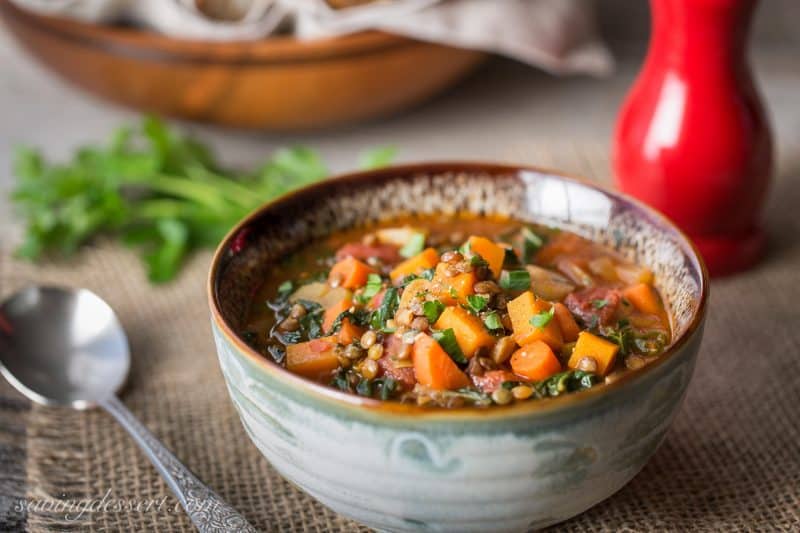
x=540, y=320
x=386, y=310
x=427, y=274
x=477, y=303
x=447, y=340
x=154, y=189
x=515, y=280
x=492, y=321
x=432, y=309
x=359, y=317
x=414, y=245
x=531, y=242
x=599, y=304
x=374, y=286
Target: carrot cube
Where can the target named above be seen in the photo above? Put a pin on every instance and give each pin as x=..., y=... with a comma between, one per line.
x=491, y=252
x=535, y=361
x=644, y=298
x=434, y=368
x=333, y=312
x=350, y=273
x=422, y=261
x=569, y=328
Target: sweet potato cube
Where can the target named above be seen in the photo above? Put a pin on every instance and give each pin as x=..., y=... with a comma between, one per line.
x=422, y=261
x=333, y=312
x=434, y=368
x=452, y=290
x=521, y=310
x=312, y=359
x=491, y=252
x=350, y=273
x=644, y=298
x=349, y=332
x=467, y=328
x=589, y=345
x=569, y=328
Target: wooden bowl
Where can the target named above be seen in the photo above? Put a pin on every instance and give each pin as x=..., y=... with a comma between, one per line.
x=277, y=83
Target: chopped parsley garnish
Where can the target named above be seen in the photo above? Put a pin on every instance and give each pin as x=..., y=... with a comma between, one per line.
x=492, y=321
x=540, y=320
x=374, y=286
x=386, y=310
x=599, y=304
x=515, y=280
x=427, y=274
x=432, y=309
x=477, y=303
x=447, y=340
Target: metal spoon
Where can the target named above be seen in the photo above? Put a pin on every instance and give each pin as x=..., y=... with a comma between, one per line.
x=65, y=347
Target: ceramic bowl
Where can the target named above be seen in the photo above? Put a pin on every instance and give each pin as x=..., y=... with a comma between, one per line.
x=399, y=467
x=280, y=83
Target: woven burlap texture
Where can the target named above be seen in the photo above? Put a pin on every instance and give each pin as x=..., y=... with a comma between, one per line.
x=731, y=461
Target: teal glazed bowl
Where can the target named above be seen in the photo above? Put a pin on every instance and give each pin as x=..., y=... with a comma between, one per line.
x=397, y=467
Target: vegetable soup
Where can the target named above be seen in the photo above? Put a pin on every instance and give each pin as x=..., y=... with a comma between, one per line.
x=447, y=311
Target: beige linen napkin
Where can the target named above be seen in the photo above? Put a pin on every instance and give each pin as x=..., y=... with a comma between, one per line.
x=557, y=35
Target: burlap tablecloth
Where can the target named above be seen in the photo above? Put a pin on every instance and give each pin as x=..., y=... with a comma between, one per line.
x=731, y=461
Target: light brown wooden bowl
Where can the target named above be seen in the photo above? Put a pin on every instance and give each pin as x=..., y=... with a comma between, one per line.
x=277, y=83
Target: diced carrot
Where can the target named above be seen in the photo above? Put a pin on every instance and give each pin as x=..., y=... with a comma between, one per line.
x=350, y=273
x=434, y=368
x=467, y=328
x=414, y=291
x=521, y=310
x=535, y=361
x=452, y=290
x=349, y=332
x=644, y=298
x=569, y=328
x=491, y=252
x=422, y=261
x=312, y=359
x=601, y=350
x=334, y=311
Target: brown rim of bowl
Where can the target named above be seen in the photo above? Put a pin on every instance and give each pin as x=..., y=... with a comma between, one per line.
x=150, y=46
x=547, y=405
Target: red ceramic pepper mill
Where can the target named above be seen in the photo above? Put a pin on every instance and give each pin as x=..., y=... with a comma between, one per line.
x=692, y=138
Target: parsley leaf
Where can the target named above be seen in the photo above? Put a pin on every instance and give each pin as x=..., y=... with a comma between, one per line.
x=540, y=320
x=492, y=321
x=447, y=340
x=432, y=309
x=154, y=189
x=515, y=280
x=477, y=302
x=599, y=304
x=374, y=286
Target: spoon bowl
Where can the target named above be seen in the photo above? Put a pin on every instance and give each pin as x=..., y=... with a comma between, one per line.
x=62, y=347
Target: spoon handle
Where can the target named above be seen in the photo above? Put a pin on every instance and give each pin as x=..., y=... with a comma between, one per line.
x=209, y=512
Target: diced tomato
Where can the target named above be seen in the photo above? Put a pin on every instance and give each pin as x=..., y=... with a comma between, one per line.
x=386, y=253
x=493, y=379
x=594, y=305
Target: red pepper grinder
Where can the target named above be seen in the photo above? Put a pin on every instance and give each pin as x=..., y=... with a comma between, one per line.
x=692, y=139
